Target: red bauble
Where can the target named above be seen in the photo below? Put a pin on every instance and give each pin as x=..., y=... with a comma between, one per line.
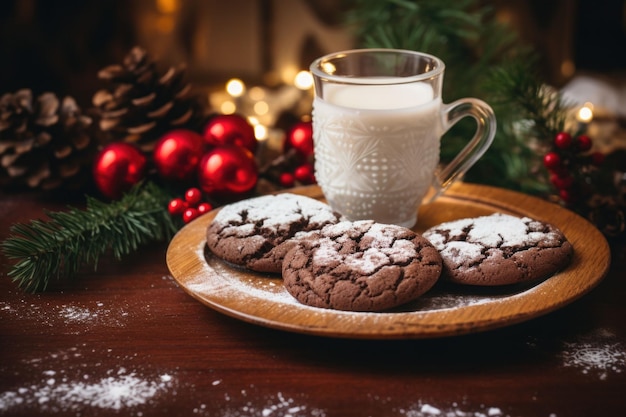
x=230, y=129
x=228, y=169
x=177, y=154
x=117, y=167
x=300, y=138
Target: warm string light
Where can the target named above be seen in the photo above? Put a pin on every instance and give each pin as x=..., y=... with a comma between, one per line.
x=585, y=113
x=262, y=105
x=235, y=87
x=303, y=80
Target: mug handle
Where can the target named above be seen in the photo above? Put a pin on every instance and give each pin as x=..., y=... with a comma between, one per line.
x=474, y=150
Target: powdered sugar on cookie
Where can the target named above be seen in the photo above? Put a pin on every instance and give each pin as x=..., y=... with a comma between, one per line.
x=381, y=247
x=255, y=233
x=360, y=266
x=497, y=230
x=274, y=212
x=499, y=249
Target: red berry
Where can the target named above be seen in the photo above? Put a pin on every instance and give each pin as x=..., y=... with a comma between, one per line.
x=562, y=182
x=552, y=160
x=563, y=140
x=305, y=174
x=597, y=158
x=286, y=179
x=190, y=214
x=300, y=138
x=193, y=196
x=204, y=208
x=568, y=196
x=176, y=206
x=584, y=143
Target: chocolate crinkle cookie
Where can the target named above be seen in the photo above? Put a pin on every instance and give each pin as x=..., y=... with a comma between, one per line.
x=360, y=266
x=499, y=249
x=254, y=233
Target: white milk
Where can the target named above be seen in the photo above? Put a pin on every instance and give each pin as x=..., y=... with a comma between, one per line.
x=376, y=149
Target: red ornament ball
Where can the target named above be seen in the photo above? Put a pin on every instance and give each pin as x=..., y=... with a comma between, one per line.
x=583, y=143
x=300, y=138
x=177, y=154
x=230, y=129
x=563, y=140
x=552, y=160
x=227, y=170
x=117, y=167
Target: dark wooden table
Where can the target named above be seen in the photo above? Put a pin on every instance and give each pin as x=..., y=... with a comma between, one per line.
x=126, y=340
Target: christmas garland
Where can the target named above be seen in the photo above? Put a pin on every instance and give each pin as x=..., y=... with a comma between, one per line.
x=157, y=158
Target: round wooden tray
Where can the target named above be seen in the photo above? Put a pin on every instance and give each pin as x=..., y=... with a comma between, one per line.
x=444, y=311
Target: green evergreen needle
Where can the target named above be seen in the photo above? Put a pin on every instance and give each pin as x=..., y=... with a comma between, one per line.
x=71, y=239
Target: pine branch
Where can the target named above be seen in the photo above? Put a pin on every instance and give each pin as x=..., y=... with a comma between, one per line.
x=517, y=85
x=71, y=239
x=463, y=33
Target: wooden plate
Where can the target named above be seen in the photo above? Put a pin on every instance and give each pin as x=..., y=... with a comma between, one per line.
x=443, y=311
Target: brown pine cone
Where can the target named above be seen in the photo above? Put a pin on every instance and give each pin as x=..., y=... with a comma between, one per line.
x=141, y=104
x=44, y=142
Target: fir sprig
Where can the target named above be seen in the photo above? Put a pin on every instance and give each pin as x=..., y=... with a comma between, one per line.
x=463, y=33
x=518, y=87
x=535, y=113
x=59, y=247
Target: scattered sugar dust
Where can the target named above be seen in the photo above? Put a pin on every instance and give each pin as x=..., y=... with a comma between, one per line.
x=428, y=410
x=278, y=405
x=599, y=354
x=65, y=382
x=46, y=313
x=118, y=390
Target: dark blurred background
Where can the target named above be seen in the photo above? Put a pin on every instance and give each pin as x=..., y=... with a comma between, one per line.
x=60, y=45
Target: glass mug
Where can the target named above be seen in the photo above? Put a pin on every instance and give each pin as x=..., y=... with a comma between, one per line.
x=378, y=119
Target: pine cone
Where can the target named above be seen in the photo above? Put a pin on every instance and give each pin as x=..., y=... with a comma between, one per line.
x=141, y=104
x=44, y=143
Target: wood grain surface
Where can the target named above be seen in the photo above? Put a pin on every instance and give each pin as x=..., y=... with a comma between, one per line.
x=127, y=340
